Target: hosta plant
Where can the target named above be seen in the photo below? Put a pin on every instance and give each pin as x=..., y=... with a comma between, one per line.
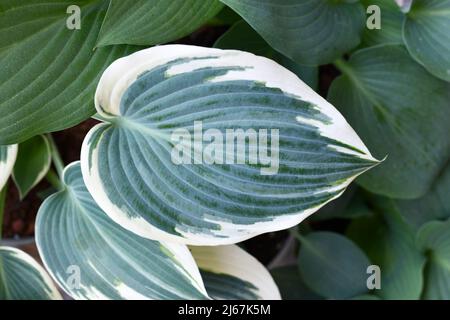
x=199, y=147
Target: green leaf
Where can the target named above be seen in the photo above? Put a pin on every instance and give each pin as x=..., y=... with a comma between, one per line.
x=425, y=31
x=91, y=257
x=22, y=278
x=401, y=111
x=32, y=164
x=350, y=205
x=309, y=32
x=151, y=22
x=230, y=273
x=435, y=205
x=391, y=24
x=333, y=266
x=434, y=238
x=291, y=284
x=48, y=73
x=225, y=17
x=390, y=243
x=131, y=163
x=243, y=37
x=8, y=156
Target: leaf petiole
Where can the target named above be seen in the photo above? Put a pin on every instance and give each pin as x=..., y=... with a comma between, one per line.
x=56, y=157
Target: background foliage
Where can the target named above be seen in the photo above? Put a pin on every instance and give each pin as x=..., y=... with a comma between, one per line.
x=393, y=88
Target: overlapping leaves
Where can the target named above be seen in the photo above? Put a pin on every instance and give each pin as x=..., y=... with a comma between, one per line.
x=76, y=238
x=151, y=22
x=48, y=71
x=426, y=35
x=310, y=32
x=91, y=257
x=401, y=111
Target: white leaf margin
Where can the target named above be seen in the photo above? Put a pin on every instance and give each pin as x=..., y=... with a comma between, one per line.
x=21, y=255
x=234, y=261
x=7, y=165
x=124, y=71
x=180, y=253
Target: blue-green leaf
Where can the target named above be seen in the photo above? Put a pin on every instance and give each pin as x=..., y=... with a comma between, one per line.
x=390, y=31
x=22, y=278
x=390, y=244
x=291, y=284
x=91, y=257
x=132, y=167
x=309, y=32
x=332, y=265
x=434, y=239
x=425, y=31
x=434, y=205
x=401, y=111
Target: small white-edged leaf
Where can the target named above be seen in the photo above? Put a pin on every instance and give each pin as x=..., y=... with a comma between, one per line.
x=22, y=278
x=8, y=156
x=147, y=97
x=32, y=163
x=230, y=273
x=91, y=257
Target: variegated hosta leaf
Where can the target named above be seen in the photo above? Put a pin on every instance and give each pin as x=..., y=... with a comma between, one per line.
x=241, y=36
x=91, y=257
x=131, y=162
x=22, y=278
x=8, y=156
x=230, y=273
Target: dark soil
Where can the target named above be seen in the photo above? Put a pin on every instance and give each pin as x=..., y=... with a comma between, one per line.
x=20, y=215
